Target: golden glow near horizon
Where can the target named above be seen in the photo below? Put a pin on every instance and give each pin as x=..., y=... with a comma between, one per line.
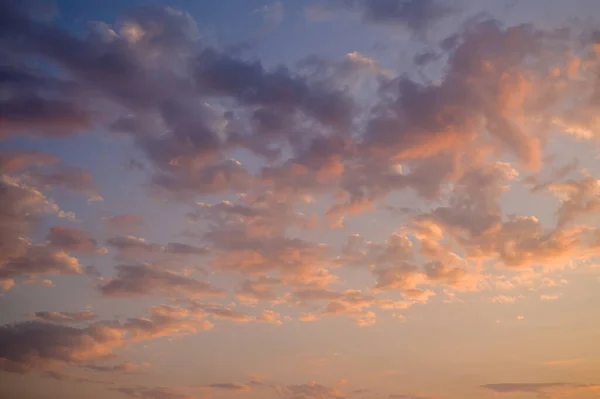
x=370, y=199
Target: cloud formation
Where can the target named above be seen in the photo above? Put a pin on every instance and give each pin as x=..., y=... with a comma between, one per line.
x=395, y=182
x=144, y=279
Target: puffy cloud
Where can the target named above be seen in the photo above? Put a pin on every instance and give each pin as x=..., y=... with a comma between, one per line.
x=64, y=317
x=251, y=241
x=279, y=89
x=457, y=277
x=578, y=198
x=263, y=288
x=38, y=345
x=395, y=267
x=354, y=71
x=140, y=67
x=164, y=321
x=41, y=283
x=473, y=217
x=474, y=207
x=269, y=316
x=220, y=312
x=405, y=278
x=486, y=67
x=74, y=179
x=72, y=239
x=352, y=303
x=38, y=260
x=135, y=280
x=522, y=242
x=23, y=208
x=307, y=317
x=131, y=247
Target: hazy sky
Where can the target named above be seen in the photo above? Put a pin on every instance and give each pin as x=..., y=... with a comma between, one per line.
x=362, y=199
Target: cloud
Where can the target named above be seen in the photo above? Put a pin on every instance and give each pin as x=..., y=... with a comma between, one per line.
x=17, y=160
x=578, y=198
x=38, y=116
x=270, y=316
x=64, y=317
x=414, y=15
x=543, y=390
x=153, y=393
x=459, y=277
x=72, y=239
x=261, y=289
x=250, y=241
x=139, y=67
x=220, y=312
x=74, y=179
x=38, y=260
x=254, y=85
x=414, y=126
x=503, y=299
x=178, y=248
x=165, y=321
x=125, y=223
x=474, y=218
x=230, y=387
x=309, y=390
x=352, y=303
x=131, y=247
x=38, y=345
x=23, y=207
x=124, y=367
x=137, y=280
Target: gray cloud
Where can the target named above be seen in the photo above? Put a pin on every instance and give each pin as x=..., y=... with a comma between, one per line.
x=73, y=239
x=64, y=317
x=135, y=280
x=414, y=15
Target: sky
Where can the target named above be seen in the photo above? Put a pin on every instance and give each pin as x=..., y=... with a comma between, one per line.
x=343, y=199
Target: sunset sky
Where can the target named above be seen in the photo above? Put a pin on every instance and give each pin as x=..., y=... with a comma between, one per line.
x=343, y=199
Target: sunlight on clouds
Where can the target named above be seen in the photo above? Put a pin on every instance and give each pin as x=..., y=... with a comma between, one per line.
x=360, y=199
